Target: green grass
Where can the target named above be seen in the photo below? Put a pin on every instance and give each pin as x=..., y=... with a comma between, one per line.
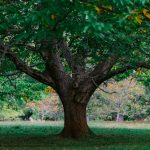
x=42, y=136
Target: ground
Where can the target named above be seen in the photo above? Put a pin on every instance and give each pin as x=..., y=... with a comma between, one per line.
x=42, y=136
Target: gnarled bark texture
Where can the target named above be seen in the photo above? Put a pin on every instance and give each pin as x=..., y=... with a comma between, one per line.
x=75, y=122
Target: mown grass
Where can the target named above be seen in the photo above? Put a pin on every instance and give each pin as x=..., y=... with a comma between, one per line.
x=42, y=136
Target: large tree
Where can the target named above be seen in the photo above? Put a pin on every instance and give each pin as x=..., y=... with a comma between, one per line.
x=74, y=46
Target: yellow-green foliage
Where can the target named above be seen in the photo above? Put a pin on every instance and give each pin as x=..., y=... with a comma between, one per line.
x=9, y=114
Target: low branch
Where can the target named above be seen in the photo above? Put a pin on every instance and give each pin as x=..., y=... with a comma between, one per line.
x=16, y=72
x=126, y=68
x=20, y=65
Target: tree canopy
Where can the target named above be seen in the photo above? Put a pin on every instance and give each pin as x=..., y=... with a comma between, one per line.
x=86, y=32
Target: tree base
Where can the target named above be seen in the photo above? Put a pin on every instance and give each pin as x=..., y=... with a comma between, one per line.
x=71, y=133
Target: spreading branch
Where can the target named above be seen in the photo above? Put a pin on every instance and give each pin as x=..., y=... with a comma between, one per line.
x=20, y=65
x=126, y=68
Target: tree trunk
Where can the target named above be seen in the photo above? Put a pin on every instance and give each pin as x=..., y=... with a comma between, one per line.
x=75, y=121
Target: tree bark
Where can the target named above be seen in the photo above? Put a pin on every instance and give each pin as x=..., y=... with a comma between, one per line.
x=75, y=121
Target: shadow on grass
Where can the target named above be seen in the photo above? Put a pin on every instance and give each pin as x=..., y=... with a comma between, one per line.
x=105, y=138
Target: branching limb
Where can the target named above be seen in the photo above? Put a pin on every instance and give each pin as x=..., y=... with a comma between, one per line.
x=54, y=66
x=126, y=68
x=20, y=65
x=101, y=89
x=102, y=69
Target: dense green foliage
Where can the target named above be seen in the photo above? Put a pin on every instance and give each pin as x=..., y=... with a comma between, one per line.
x=22, y=88
x=16, y=92
x=98, y=29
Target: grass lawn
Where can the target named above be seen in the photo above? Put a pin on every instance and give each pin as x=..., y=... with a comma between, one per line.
x=42, y=136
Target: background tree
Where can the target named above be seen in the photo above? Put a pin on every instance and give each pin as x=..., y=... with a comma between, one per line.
x=118, y=97
x=15, y=92
x=74, y=46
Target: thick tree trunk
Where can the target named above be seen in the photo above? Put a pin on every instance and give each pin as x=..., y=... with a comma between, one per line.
x=75, y=121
